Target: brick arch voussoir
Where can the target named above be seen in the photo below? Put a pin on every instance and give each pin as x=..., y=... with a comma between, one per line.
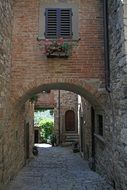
x=31, y=87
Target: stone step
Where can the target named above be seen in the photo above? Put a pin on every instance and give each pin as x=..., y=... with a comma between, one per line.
x=72, y=137
x=71, y=140
x=71, y=134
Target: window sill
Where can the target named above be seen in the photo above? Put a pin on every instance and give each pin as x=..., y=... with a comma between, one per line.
x=100, y=138
x=39, y=38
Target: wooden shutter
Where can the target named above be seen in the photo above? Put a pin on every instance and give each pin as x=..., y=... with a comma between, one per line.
x=51, y=23
x=58, y=23
x=66, y=23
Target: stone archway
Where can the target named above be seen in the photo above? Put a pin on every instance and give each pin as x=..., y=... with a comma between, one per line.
x=23, y=94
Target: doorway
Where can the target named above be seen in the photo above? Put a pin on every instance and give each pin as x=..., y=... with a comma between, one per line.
x=36, y=136
x=93, y=137
x=81, y=133
x=27, y=151
x=70, y=121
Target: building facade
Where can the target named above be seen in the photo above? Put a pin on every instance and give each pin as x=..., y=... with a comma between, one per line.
x=65, y=111
x=66, y=116
x=95, y=37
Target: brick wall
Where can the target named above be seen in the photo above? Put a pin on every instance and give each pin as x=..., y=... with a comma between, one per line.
x=45, y=100
x=29, y=61
x=32, y=72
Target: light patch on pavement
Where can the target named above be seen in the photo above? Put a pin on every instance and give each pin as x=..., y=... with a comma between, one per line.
x=43, y=145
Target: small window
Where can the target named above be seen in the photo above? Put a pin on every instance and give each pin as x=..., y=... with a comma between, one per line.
x=100, y=124
x=58, y=23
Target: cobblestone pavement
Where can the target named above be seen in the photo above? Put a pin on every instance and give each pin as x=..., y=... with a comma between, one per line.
x=57, y=168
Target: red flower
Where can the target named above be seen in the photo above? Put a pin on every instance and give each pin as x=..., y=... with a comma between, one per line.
x=47, y=42
x=60, y=41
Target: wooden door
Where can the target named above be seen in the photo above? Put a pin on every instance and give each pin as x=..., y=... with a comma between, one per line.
x=70, y=121
x=36, y=134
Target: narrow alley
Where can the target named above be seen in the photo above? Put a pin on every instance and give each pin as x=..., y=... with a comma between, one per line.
x=57, y=168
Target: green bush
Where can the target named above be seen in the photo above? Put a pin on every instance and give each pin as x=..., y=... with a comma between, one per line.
x=46, y=128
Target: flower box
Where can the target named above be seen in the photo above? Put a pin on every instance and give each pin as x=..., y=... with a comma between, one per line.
x=57, y=48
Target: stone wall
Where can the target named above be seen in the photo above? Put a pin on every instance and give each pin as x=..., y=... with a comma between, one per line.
x=6, y=19
x=18, y=141
x=68, y=101
x=98, y=149
x=87, y=136
x=29, y=119
x=118, y=66
x=110, y=150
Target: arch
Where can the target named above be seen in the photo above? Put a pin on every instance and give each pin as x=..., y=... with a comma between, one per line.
x=83, y=88
x=70, y=121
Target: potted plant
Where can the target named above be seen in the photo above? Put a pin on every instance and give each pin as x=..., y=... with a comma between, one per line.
x=57, y=48
x=61, y=48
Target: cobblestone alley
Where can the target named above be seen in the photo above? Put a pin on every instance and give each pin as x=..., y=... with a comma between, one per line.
x=58, y=168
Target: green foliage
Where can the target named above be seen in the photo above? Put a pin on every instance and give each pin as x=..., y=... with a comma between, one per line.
x=46, y=128
x=43, y=113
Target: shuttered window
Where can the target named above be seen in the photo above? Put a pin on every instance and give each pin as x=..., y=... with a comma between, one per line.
x=58, y=23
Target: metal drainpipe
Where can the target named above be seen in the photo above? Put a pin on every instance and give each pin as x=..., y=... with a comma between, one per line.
x=106, y=46
x=59, y=116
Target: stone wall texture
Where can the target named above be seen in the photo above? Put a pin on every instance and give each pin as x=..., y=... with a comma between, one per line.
x=111, y=150
x=29, y=120
x=6, y=19
x=87, y=136
x=68, y=101
x=118, y=64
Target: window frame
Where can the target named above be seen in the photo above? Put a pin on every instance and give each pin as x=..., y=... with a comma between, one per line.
x=52, y=4
x=58, y=23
